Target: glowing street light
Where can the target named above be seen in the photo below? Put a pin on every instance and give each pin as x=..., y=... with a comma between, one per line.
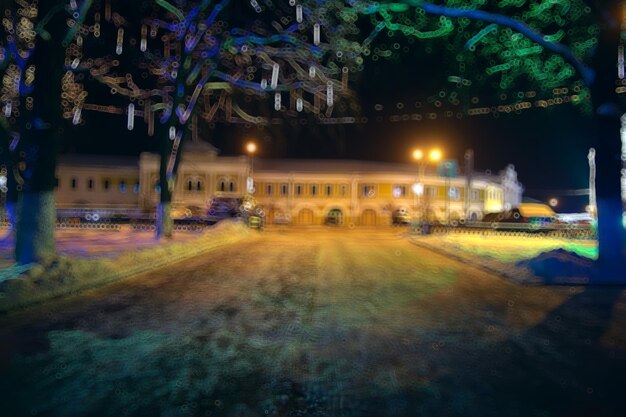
x=435, y=155
x=553, y=202
x=418, y=187
x=251, y=149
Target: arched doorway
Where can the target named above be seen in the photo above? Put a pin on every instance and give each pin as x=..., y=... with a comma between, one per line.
x=368, y=218
x=305, y=217
x=334, y=216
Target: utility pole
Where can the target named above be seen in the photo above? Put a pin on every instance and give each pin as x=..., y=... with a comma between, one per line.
x=469, y=168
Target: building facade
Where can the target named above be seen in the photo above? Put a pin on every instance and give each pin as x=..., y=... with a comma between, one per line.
x=306, y=192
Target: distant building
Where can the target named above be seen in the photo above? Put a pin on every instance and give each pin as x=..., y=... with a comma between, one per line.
x=306, y=191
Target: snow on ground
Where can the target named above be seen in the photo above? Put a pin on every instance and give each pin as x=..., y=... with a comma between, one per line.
x=521, y=258
x=317, y=323
x=89, y=258
x=88, y=243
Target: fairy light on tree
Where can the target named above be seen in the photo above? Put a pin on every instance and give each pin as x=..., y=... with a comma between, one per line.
x=200, y=55
x=37, y=92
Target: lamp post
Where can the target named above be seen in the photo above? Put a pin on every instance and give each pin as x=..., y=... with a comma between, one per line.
x=418, y=188
x=593, y=208
x=251, y=149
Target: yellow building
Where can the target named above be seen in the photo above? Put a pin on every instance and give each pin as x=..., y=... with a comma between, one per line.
x=306, y=192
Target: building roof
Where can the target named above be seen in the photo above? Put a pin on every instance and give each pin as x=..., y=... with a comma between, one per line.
x=121, y=161
x=333, y=165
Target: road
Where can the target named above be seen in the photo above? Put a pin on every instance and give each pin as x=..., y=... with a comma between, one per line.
x=319, y=322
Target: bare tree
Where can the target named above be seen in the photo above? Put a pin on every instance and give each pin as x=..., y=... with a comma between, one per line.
x=196, y=57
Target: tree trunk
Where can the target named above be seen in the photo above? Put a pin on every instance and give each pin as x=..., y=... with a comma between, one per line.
x=36, y=217
x=36, y=221
x=611, y=231
x=164, y=222
x=167, y=179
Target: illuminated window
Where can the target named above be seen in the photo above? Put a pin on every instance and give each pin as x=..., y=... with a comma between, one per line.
x=453, y=193
x=136, y=187
x=328, y=188
x=284, y=189
x=122, y=186
x=368, y=190
x=313, y=189
x=157, y=186
x=90, y=184
x=73, y=183
x=474, y=195
x=399, y=191
x=298, y=189
x=432, y=191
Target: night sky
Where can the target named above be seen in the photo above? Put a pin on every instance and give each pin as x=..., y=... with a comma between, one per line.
x=547, y=146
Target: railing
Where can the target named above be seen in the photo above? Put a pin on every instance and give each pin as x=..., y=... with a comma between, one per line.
x=569, y=231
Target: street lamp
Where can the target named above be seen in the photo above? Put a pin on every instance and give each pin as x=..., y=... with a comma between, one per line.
x=251, y=149
x=418, y=188
x=435, y=155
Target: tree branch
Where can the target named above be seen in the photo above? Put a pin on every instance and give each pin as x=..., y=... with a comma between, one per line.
x=585, y=72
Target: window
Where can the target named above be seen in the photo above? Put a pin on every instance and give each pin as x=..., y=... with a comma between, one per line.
x=195, y=184
x=313, y=189
x=399, y=191
x=284, y=189
x=136, y=187
x=56, y=182
x=343, y=190
x=474, y=196
x=298, y=189
x=453, y=193
x=432, y=191
x=231, y=186
x=122, y=186
x=157, y=186
x=222, y=184
x=269, y=189
x=106, y=184
x=368, y=190
x=90, y=184
x=73, y=183
x=328, y=189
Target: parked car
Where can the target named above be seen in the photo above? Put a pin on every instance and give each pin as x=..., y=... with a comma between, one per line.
x=527, y=215
x=400, y=217
x=255, y=222
x=281, y=218
x=223, y=208
x=493, y=217
x=331, y=220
